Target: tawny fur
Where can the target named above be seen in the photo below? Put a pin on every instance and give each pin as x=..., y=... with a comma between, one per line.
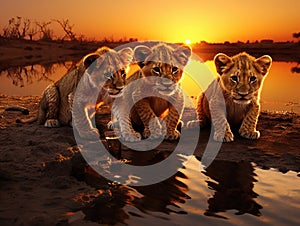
x=163, y=61
x=105, y=68
x=238, y=102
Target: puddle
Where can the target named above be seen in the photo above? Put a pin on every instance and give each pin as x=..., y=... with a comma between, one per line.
x=248, y=183
x=226, y=193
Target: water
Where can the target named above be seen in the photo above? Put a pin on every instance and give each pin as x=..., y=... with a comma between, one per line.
x=32, y=79
x=280, y=91
x=226, y=193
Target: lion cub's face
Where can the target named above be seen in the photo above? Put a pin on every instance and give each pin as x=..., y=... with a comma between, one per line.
x=165, y=62
x=107, y=68
x=242, y=75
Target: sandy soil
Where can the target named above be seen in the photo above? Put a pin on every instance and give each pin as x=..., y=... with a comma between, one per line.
x=43, y=176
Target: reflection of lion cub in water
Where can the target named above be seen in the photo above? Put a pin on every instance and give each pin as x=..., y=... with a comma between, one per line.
x=240, y=82
x=55, y=107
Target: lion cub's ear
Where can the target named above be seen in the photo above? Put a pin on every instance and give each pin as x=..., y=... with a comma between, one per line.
x=141, y=52
x=89, y=59
x=183, y=54
x=264, y=64
x=126, y=56
x=222, y=62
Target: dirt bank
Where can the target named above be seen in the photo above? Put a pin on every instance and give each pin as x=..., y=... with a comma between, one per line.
x=41, y=169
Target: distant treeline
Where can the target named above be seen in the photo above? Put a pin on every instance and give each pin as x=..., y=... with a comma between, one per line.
x=279, y=51
x=24, y=28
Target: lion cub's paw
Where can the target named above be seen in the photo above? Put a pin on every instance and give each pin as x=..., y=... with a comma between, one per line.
x=172, y=135
x=154, y=130
x=195, y=123
x=153, y=134
x=52, y=123
x=192, y=124
x=131, y=136
x=252, y=135
x=221, y=137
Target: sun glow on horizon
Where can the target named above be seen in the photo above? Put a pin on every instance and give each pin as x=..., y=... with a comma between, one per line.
x=197, y=21
x=188, y=41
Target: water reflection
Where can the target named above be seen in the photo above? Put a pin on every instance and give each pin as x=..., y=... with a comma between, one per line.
x=296, y=69
x=29, y=74
x=108, y=206
x=233, y=184
x=224, y=193
x=25, y=75
x=32, y=79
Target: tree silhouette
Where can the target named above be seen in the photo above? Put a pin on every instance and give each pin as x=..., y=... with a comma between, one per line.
x=17, y=28
x=46, y=32
x=68, y=29
x=296, y=35
x=296, y=69
x=32, y=32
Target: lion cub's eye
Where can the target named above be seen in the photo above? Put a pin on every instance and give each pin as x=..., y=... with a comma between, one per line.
x=107, y=75
x=123, y=73
x=252, y=79
x=156, y=70
x=175, y=70
x=234, y=78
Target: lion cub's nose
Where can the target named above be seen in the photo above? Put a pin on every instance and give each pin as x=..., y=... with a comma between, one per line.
x=243, y=94
x=119, y=87
x=167, y=82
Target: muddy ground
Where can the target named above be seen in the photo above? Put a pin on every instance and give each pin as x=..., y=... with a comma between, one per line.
x=43, y=178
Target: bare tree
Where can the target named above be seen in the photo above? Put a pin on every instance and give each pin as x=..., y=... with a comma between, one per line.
x=32, y=32
x=24, y=28
x=68, y=29
x=46, y=32
x=11, y=30
x=17, y=27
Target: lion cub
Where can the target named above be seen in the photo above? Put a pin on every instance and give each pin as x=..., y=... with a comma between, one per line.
x=154, y=93
x=233, y=98
x=95, y=71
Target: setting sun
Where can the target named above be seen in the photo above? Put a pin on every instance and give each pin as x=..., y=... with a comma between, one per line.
x=188, y=41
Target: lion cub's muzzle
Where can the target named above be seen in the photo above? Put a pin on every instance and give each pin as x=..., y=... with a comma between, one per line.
x=116, y=88
x=166, y=87
x=242, y=98
x=116, y=91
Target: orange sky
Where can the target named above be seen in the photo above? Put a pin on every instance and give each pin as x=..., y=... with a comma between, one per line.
x=167, y=20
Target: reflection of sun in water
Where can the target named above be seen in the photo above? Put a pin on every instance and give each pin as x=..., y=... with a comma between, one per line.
x=188, y=41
